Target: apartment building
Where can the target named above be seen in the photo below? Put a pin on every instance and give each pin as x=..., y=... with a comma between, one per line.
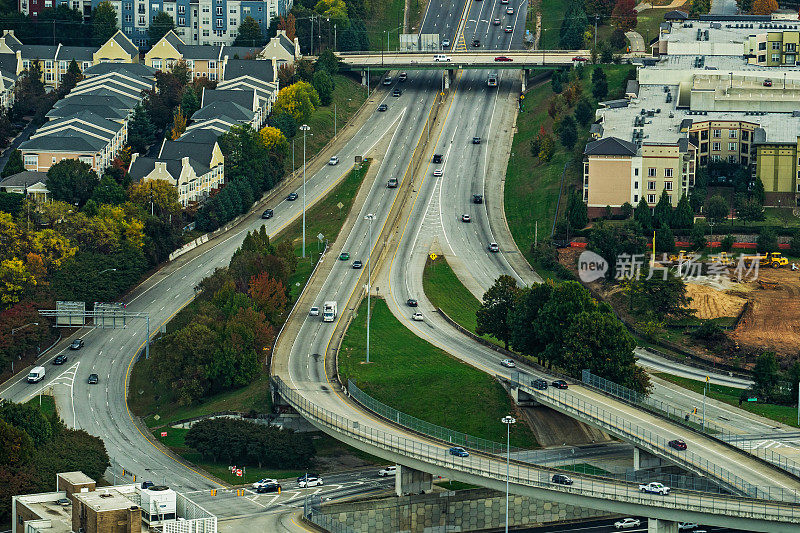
x=91, y=123
x=723, y=140
x=774, y=48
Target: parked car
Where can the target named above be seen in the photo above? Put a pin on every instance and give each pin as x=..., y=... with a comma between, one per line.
x=493, y=247
x=417, y=317
x=388, y=471
x=344, y=256
x=411, y=302
x=403, y=76
x=458, y=451
x=357, y=264
x=562, y=479
x=292, y=197
x=269, y=487
x=60, y=359
x=678, y=444
x=333, y=160
x=310, y=481
x=477, y=198
x=77, y=344
x=627, y=523
x=560, y=384
x=508, y=363
x=503, y=58
x=654, y=487
x=539, y=384
x=314, y=311
x=466, y=218
x=397, y=92
x=383, y=107
x=392, y=183
x=437, y=158
x=94, y=379
x=438, y=172
x=265, y=481
x=267, y=214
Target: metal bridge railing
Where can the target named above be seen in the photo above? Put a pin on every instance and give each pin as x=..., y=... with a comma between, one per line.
x=684, y=418
x=526, y=475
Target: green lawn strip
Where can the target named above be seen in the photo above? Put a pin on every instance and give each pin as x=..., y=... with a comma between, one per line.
x=585, y=468
x=647, y=24
x=387, y=18
x=348, y=96
x=531, y=189
x=552, y=18
x=411, y=375
x=782, y=413
x=47, y=405
x=455, y=485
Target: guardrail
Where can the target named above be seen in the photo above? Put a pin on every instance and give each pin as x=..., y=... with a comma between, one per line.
x=683, y=418
x=524, y=475
x=565, y=401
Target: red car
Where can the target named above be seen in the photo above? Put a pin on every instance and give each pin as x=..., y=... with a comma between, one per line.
x=576, y=58
x=503, y=58
x=677, y=444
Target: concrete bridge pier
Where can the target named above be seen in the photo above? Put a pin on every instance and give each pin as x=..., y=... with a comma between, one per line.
x=410, y=481
x=643, y=459
x=525, y=73
x=447, y=74
x=655, y=525
x=522, y=398
x=364, y=78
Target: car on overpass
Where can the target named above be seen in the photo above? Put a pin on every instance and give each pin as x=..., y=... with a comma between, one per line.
x=403, y=76
x=560, y=384
x=539, y=384
x=458, y=451
x=581, y=59
x=503, y=58
x=508, y=363
x=677, y=444
x=562, y=479
x=654, y=487
x=627, y=523
x=441, y=57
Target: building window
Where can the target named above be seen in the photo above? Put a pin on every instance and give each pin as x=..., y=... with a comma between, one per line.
x=651, y=198
x=717, y=134
x=762, y=59
x=668, y=184
x=154, y=8
x=715, y=147
x=128, y=6
x=62, y=65
x=635, y=198
x=791, y=47
x=776, y=58
x=635, y=185
x=776, y=45
x=704, y=135
x=651, y=185
x=651, y=172
x=128, y=18
x=219, y=11
x=141, y=20
x=86, y=65
x=206, y=9
x=49, y=76
x=212, y=64
x=181, y=10
x=233, y=22
x=48, y=64
x=219, y=23
x=157, y=64
x=635, y=171
x=732, y=134
x=205, y=33
x=762, y=46
x=181, y=21
x=667, y=172
x=745, y=135
x=732, y=147
x=31, y=160
x=232, y=10
x=731, y=158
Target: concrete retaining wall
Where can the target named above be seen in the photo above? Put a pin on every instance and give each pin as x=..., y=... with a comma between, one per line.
x=466, y=510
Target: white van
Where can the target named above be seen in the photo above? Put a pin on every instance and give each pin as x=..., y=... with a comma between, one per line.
x=36, y=375
x=441, y=57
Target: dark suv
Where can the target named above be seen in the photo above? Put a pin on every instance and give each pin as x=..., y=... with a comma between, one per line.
x=437, y=158
x=561, y=479
x=539, y=384
x=477, y=198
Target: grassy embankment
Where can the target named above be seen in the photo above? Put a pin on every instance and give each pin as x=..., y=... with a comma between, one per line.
x=785, y=414
x=531, y=189
x=387, y=18
x=417, y=378
x=46, y=403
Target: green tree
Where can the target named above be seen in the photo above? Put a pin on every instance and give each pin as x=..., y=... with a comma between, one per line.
x=104, y=22
x=250, y=33
x=662, y=214
x=16, y=446
x=71, y=78
x=108, y=191
x=716, y=209
x=141, y=130
x=662, y=295
x=627, y=210
x=190, y=103
x=611, y=241
x=327, y=61
x=72, y=181
x=682, y=216
x=584, y=111
x=766, y=374
x=643, y=216
x=29, y=90
x=28, y=418
x=568, y=132
x=14, y=164
x=767, y=241
x=161, y=24
x=492, y=316
x=665, y=240
x=323, y=84
x=573, y=26
x=698, y=236
x=523, y=315
x=576, y=211
x=750, y=211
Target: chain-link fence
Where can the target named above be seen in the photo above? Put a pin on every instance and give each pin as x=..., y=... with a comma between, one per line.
x=684, y=418
x=782, y=507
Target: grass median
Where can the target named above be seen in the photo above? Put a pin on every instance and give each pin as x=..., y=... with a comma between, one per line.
x=413, y=376
x=785, y=414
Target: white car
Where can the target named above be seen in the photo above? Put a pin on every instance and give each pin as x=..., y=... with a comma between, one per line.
x=687, y=525
x=508, y=363
x=417, y=316
x=388, y=471
x=334, y=160
x=441, y=57
x=445, y=43
x=654, y=487
x=264, y=482
x=314, y=311
x=627, y=523
x=438, y=172
x=309, y=481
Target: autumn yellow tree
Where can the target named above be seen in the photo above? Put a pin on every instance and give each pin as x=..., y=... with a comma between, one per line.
x=298, y=100
x=178, y=125
x=15, y=280
x=274, y=140
x=155, y=196
x=51, y=247
x=764, y=7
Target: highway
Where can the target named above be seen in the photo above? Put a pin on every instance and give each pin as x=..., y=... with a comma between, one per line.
x=102, y=409
x=471, y=59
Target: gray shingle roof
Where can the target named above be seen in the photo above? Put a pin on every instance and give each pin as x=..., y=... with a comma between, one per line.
x=241, y=51
x=199, y=136
x=197, y=51
x=230, y=109
x=260, y=70
x=78, y=53
x=8, y=65
x=134, y=69
x=69, y=110
x=26, y=178
x=172, y=38
x=12, y=41
x=610, y=146
x=243, y=98
x=37, y=51
x=65, y=141
x=93, y=99
x=84, y=117
x=199, y=151
x=125, y=43
x=286, y=43
x=143, y=166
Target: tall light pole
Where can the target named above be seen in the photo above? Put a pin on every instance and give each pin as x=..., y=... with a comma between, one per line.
x=369, y=217
x=705, y=385
x=508, y=420
x=14, y=330
x=304, y=128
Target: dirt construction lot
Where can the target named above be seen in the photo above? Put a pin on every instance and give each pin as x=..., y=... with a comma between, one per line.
x=772, y=321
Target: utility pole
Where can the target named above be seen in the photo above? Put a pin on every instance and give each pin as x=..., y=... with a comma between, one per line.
x=508, y=420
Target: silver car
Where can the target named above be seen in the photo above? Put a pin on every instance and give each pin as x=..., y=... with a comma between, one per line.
x=314, y=311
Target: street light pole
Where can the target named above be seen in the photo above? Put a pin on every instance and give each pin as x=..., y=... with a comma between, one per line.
x=369, y=217
x=334, y=119
x=304, y=128
x=13, y=331
x=508, y=420
x=704, y=403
